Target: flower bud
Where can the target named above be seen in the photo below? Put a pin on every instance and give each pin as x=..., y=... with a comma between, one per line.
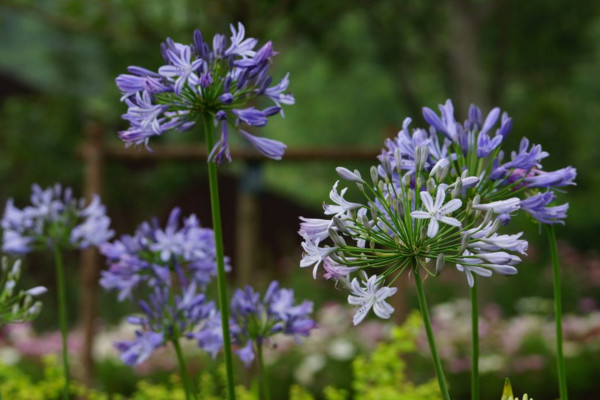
x=440, y=262
x=398, y=159
x=374, y=175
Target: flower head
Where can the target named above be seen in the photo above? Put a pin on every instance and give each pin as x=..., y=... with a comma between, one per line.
x=255, y=320
x=54, y=218
x=153, y=253
x=218, y=84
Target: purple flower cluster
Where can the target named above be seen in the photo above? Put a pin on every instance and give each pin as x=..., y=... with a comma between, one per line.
x=54, y=218
x=153, y=253
x=203, y=82
x=166, y=317
x=254, y=320
x=165, y=270
x=475, y=146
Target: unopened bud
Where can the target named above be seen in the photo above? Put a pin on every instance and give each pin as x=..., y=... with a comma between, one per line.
x=495, y=226
x=406, y=179
x=419, y=181
x=398, y=159
x=387, y=167
x=440, y=263
x=457, y=190
x=372, y=244
x=340, y=225
x=430, y=185
x=374, y=175
x=476, y=200
x=337, y=239
x=464, y=243
x=488, y=216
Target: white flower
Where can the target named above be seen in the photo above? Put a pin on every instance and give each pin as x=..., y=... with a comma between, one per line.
x=371, y=296
x=315, y=229
x=313, y=254
x=437, y=211
x=342, y=205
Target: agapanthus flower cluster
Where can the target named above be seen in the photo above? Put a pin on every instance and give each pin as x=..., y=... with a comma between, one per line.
x=153, y=253
x=475, y=148
x=17, y=305
x=165, y=270
x=412, y=221
x=255, y=320
x=221, y=83
x=54, y=218
x=437, y=196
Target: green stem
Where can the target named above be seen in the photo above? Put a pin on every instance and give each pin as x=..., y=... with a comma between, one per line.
x=474, y=342
x=560, y=360
x=221, y=281
x=62, y=316
x=187, y=384
x=264, y=378
x=430, y=339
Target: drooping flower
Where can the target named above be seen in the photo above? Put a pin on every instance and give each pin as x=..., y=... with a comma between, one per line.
x=220, y=84
x=54, y=218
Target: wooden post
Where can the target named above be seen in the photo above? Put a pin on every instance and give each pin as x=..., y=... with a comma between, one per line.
x=247, y=232
x=93, y=156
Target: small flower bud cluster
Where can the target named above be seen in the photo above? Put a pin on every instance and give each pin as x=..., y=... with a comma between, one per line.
x=54, y=218
x=165, y=270
x=17, y=305
x=199, y=81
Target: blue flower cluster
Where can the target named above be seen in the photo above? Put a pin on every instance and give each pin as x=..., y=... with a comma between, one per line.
x=254, y=320
x=166, y=270
x=475, y=146
x=203, y=82
x=438, y=195
x=54, y=218
x=153, y=253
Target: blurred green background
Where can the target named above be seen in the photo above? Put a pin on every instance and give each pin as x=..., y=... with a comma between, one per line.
x=357, y=69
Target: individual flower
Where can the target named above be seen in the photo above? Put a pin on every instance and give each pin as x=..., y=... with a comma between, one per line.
x=54, y=218
x=369, y=295
x=219, y=83
x=437, y=211
x=254, y=320
x=17, y=305
x=153, y=253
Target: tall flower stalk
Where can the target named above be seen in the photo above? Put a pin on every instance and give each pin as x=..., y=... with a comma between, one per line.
x=407, y=221
x=55, y=221
x=254, y=321
x=220, y=86
x=165, y=271
x=474, y=148
x=560, y=360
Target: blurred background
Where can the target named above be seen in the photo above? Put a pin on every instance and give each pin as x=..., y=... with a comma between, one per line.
x=357, y=69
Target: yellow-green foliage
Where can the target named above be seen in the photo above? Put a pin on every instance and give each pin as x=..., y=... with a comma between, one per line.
x=507, y=393
x=381, y=376
x=15, y=384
